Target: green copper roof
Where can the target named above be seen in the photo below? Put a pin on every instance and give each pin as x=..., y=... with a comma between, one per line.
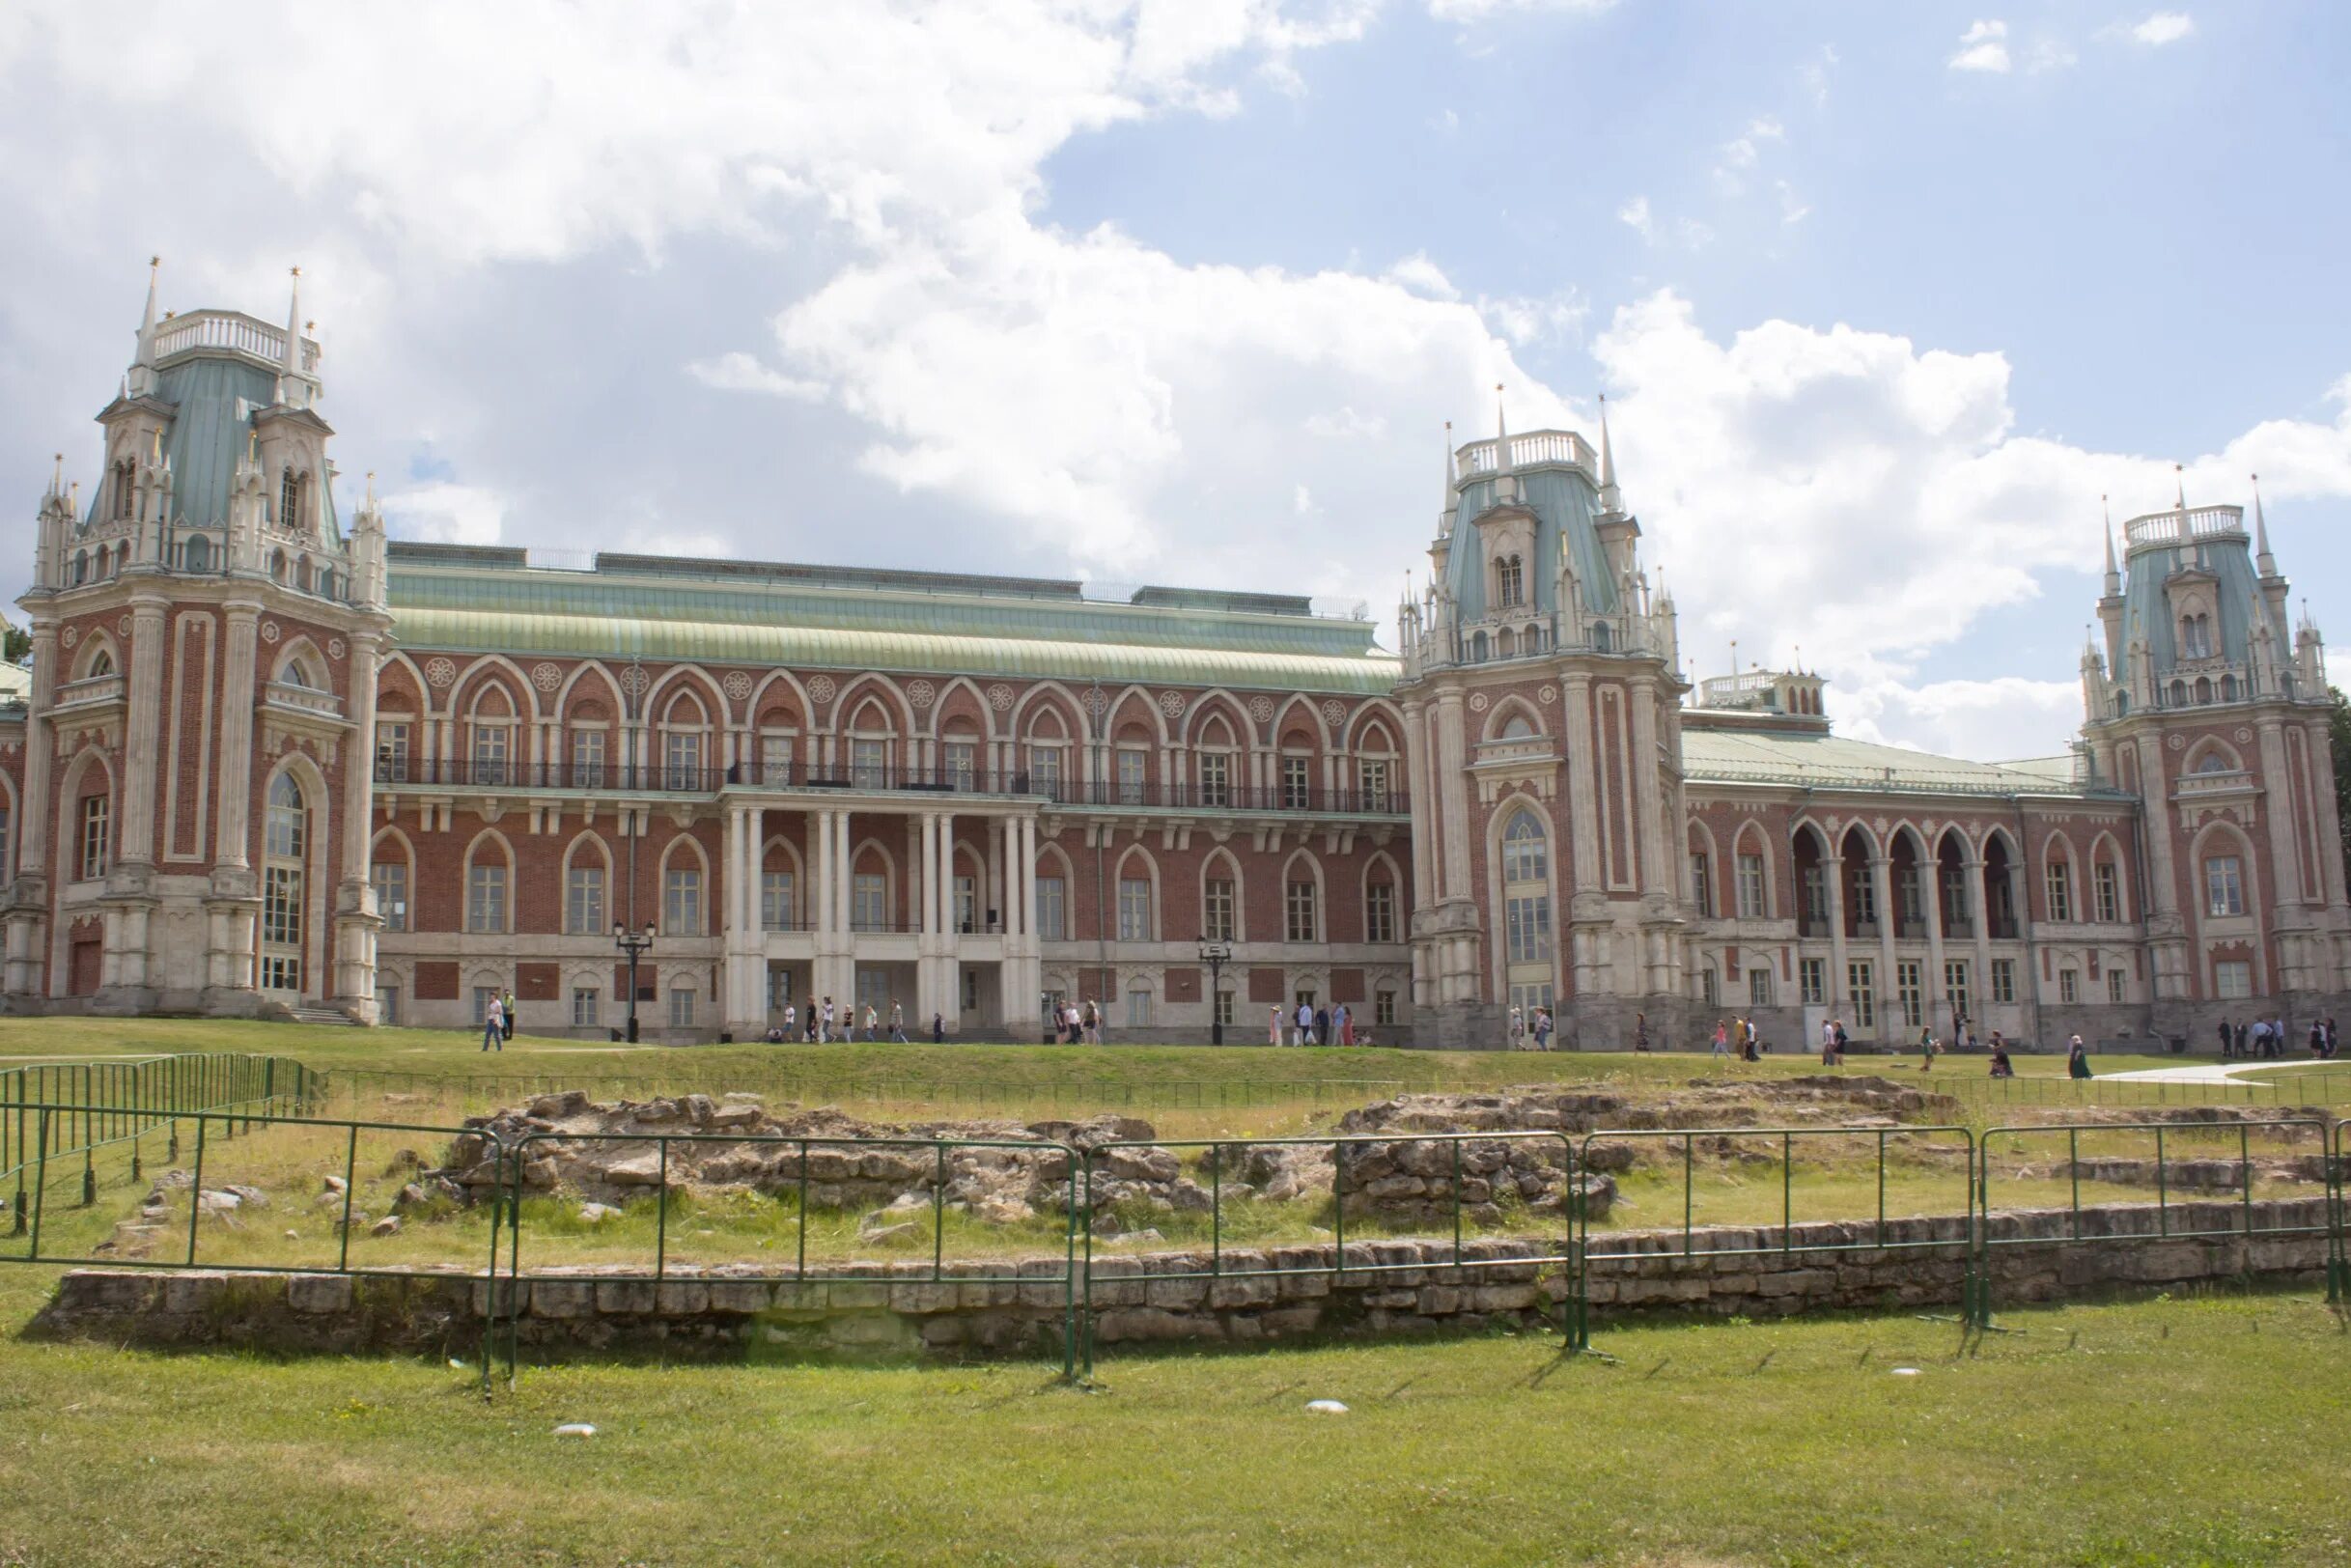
x=1728, y=756
x=606, y=614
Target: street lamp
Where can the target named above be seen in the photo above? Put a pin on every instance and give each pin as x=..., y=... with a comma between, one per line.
x=636, y=944
x=1216, y=955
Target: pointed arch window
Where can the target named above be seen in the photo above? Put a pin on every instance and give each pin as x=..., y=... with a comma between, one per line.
x=289, y=499
x=583, y=891
x=1509, y=583
x=1301, y=906
x=123, y=482
x=1380, y=912
x=1526, y=911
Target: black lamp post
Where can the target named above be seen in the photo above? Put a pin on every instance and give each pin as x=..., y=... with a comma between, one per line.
x=636, y=944
x=1216, y=955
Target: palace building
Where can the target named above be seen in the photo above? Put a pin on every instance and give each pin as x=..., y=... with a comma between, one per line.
x=271, y=762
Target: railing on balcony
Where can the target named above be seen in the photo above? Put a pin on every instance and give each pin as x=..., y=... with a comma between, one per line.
x=666, y=779
x=306, y=699
x=232, y=330
x=1527, y=451
x=90, y=690
x=2229, y=782
x=2178, y=528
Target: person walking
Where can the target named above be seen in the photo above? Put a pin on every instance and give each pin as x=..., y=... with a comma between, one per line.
x=2318, y=1040
x=1344, y=1019
x=790, y=1021
x=2077, y=1059
x=494, y=1026
x=873, y=1024
x=2241, y=1038
x=1274, y=1026
x=2227, y=1041
x=1517, y=1030
x=1721, y=1045
x=938, y=1028
x=1926, y=1050
x=2334, y=1042
x=1842, y=1040
x=1322, y=1026
x=1640, y=1031
x=1828, y=1042
x=506, y=1025
x=1303, y=1022
x=897, y=1021
x=1093, y=1021
x=2261, y=1045
x=1542, y=1028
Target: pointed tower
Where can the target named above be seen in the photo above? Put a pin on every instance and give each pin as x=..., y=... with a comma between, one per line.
x=2220, y=729
x=205, y=663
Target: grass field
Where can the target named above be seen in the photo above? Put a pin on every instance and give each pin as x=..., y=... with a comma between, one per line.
x=2178, y=1432
x=2200, y=1430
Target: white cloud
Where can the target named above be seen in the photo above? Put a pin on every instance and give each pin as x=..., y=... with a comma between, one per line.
x=442, y=512
x=740, y=372
x=1814, y=74
x=2049, y=54
x=1984, y=47
x=1634, y=215
x=1792, y=206
x=1467, y=11
x=2163, y=27
x=1742, y=151
x=1849, y=491
x=1525, y=320
x=1423, y=277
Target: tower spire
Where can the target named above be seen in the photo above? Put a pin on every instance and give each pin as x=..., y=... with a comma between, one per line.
x=1612, y=499
x=2179, y=485
x=290, y=365
x=141, y=380
x=2262, y=559
x=2114, y=574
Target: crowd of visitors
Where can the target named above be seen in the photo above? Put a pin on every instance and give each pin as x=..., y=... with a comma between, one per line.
x=2265, y=1039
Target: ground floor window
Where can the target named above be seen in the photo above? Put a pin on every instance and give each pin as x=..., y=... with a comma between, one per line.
x=1709, y=986
x=1909, y=983
x=872, y=990
x=2003, y=980
x=1860, y=983
x=1758, y=987
x=1224, y=1007
x=1525, y=998
x=1139, y=1009
x=1955, y=984
x=1813, y=974
x=780, y=989
x=2115, y=986
x=388, y=1005
x=2069, y=985
x=482, y=998
x=2233, y=979
x=681, y=1007
x=1384, y=1007
x=584, y=1009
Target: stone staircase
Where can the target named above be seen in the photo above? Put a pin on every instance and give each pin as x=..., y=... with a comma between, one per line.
x=322, y=1014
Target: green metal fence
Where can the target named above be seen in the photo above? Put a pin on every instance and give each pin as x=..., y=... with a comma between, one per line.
x=58, y=1158
x=2176, y=1218
x=797, y=1170
x=1339, y=1265
x=1749, y=1241
x=96, y=1107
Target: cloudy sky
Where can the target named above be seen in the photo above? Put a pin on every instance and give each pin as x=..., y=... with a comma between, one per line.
x=1884, y=298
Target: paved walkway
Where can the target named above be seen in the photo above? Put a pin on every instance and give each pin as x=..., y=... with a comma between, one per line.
x=2208, y=1072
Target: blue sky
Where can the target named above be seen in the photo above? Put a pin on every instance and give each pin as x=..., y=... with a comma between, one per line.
x=1883, y=296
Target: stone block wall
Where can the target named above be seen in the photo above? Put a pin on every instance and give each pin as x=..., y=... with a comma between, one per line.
x=1008, y=1307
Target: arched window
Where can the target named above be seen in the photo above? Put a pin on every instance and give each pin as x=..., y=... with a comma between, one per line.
x=101, y=662
x=289, y=499
x=81, y=567
x=584, y=875
x=494, y=735
x=1517, y=728
x=682, y=891
x=488, y=884
x=283, y=849
x=1527, y=912
x=196, y=555
x=1509, y=583
x=122, y=491
x=681, y=742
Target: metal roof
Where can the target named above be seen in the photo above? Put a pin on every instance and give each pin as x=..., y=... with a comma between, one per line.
x=612, y=615
x=1712, y=756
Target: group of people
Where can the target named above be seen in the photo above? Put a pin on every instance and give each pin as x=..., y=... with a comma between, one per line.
x=2264, y=1039
x=1738, y=1037
x=1530, y=1028
x=1312, y=1026
x=819, y=1025
x=1072, y=1027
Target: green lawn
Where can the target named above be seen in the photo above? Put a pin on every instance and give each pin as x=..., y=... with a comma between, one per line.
x=2206, y=1431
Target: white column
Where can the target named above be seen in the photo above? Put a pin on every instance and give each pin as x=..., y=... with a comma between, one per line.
x=944, y=882
x=1979, y=984
x=2276, y=811
x=844, y=875
x=923, y=871
x=820, y=844
x=1840, y=989
x=991, y=897
x=1028, y=879
x=1938, y=995
x=1881, y=878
